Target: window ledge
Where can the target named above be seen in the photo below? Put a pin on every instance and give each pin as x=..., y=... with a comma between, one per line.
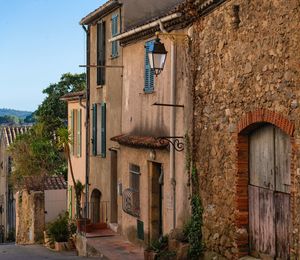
x=114, y=57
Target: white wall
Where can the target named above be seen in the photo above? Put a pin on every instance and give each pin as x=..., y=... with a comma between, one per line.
x=55, y=203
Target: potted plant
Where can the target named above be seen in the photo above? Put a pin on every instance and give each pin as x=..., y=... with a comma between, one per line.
x=58, y=232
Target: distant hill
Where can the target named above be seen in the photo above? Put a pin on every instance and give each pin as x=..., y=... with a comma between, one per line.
x=13, y=112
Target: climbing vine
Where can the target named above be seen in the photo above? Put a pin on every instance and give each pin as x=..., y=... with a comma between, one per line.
x=193, y=229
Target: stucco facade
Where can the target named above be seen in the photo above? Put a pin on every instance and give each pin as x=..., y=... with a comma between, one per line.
x=110, y=94
x=140, y=118
x=76, y=103
x=246, y=69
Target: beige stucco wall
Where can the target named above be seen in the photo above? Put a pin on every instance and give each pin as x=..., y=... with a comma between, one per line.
x=78, y=163
x=111, y=94
x=139, y=117
x=55, y=204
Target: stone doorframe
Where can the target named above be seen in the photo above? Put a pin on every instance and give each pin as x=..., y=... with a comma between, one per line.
x=248, y=123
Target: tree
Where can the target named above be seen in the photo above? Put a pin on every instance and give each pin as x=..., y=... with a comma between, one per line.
x=53, y=112
x=35, y=155
x=64, y=143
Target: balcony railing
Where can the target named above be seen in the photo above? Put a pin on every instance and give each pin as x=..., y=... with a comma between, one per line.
x=131, y=202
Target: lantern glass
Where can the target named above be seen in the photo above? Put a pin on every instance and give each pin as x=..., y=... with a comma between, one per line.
x=157, y=56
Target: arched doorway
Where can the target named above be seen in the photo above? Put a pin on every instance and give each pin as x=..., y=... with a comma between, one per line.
x=269, y=192
x=95, y=206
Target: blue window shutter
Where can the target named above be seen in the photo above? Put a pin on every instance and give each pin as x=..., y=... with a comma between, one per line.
x=103, y=130
x=114, y=32
x=149, y=74
x=94, y=134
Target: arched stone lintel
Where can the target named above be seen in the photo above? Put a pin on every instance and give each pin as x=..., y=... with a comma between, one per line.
x=265, y=116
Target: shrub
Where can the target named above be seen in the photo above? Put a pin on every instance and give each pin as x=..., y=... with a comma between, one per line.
x=59, y=230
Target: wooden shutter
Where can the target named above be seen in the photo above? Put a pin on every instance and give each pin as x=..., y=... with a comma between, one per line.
x=94, y=133
x=79, y=125
x=103, y=129
x=101, y=53
x=114, y=32
x=72, y=131
x=149, y=74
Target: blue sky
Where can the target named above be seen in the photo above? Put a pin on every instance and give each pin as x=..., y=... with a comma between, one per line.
x=39, y=41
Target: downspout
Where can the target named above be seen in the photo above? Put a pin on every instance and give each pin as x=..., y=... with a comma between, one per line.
x=172, y=126
x=87, y=120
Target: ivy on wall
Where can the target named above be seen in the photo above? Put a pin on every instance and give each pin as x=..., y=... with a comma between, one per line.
x=193, y=229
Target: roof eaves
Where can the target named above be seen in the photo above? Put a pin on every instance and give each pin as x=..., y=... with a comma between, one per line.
x=109, y=6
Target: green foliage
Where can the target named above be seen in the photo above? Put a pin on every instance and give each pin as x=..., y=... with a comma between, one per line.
x=193, y=229
x=53, y=111
x=35, y=154
x=160, y=244
x=160, y=247
x=59, y=229
x=9, y=120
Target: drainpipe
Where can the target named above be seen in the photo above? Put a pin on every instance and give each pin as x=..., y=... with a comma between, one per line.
x=172, y=126
x=87, y=119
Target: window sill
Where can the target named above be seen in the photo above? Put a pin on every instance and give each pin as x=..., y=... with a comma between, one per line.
x=114, y=57
x=148, y=92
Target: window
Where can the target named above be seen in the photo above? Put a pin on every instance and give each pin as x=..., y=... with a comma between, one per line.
x=134, y=183
x=149, y=74
x=101, y=53
x=114, y=32
x=99, y=129
x=76, y=131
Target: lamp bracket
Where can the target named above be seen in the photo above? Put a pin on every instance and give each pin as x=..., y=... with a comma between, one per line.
x=175, y=141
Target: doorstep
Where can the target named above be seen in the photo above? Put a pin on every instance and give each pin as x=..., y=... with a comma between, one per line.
x=114, y=247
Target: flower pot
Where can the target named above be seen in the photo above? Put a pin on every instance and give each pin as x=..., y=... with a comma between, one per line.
x=61, y=246
x=149, y=255
x=82, y=223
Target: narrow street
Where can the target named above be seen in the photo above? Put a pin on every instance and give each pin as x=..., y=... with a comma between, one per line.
x=33, y=252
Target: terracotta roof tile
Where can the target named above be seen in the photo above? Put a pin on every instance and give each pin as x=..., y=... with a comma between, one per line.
x=73, y=95
x=50, y=183
x=10, y=133
x=140, y=141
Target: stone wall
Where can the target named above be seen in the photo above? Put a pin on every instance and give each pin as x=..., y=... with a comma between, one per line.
x=246, y=56
x=30, y=217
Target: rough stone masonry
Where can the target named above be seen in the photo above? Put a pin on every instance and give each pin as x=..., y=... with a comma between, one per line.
x=246, y=57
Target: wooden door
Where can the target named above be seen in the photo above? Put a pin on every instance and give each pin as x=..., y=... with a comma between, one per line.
x=269, y=193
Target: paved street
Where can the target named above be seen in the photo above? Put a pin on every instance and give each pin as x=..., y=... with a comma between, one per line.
x=33, y=252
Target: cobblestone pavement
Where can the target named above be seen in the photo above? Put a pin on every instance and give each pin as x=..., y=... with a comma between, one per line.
x=33, y=252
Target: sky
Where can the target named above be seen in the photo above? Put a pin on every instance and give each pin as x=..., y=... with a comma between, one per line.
x=39, y=41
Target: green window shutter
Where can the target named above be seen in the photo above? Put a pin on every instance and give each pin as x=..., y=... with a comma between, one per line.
x=114, y=32
x=149, y=74
x=72, y=131
x=70, y=202
x=103, y=130
x=94, y=134
x=79, y=123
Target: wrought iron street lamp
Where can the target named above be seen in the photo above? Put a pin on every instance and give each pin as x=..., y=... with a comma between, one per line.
x=157, y=56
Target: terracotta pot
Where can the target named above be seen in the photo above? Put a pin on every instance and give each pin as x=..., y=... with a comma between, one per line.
x=149, y=255
x=82, y=223
x=61, y=246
